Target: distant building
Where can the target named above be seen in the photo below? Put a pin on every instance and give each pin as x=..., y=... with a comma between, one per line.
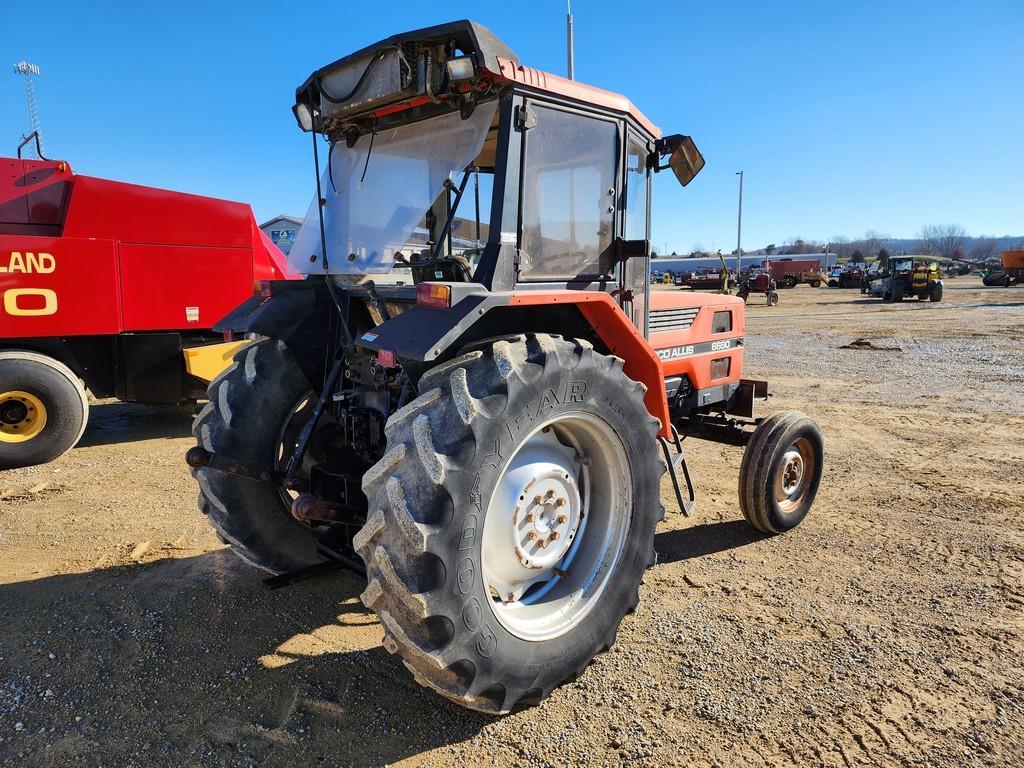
x=282, y=230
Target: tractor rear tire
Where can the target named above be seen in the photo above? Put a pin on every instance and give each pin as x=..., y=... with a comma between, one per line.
x=935, y=292
x=457, y=513
x=251, y=403
x=781, y=471
x=43, y=409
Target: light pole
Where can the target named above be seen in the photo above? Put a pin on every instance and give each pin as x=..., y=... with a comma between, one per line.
x=739, y=228
x=569, y=41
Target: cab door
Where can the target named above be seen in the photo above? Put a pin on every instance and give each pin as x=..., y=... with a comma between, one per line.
x=635, y=225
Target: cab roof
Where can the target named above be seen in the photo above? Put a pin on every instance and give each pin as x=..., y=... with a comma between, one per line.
x=492, y=58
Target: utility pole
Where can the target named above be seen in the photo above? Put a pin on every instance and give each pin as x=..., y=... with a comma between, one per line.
x=569, y=40
x=27, y=71
x=739, y=228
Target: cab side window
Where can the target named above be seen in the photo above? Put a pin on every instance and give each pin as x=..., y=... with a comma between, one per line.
x=569, y=193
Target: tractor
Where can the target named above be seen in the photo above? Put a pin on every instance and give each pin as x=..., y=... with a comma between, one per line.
x=904, y=276
x=473, y=396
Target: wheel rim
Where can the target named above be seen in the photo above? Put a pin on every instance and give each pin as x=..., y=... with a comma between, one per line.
x=794, y=474
x=22, y=416
x=289, y=438
x=556, y=525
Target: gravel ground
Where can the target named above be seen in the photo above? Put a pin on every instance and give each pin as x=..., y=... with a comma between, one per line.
x=886, y=630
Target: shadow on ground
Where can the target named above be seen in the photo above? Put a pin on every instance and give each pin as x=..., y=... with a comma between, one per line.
x=689, y=543
x=111, y=423
x=193, y=661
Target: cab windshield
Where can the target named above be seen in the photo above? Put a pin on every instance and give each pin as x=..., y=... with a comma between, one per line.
x=378, y=192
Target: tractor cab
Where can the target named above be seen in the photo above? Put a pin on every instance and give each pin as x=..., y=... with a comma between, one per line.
x=448, y=161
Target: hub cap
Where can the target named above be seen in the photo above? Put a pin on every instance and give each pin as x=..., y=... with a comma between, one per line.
x=556, y=525
x=22, y=416
x=793, y=474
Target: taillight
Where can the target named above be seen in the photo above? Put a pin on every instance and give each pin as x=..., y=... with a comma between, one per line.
x=435, y=295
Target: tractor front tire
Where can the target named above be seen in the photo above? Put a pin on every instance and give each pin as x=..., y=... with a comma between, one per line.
x=781, y=471
x=772, y=298
x=251, y=405
x=43, y=409
x=511, y=519
x=935, y=292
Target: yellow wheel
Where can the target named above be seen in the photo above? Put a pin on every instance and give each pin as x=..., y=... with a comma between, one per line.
x=22, y=416
x=43, y=408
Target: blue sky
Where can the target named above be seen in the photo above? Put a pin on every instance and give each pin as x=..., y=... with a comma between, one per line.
x=844, y=116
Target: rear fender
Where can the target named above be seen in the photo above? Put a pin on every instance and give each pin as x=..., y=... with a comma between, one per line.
x=620, y=336
x=298, y=312
x=424, y=335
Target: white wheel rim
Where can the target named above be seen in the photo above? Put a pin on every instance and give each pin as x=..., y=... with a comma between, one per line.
x=556, y=524
x=793, y=474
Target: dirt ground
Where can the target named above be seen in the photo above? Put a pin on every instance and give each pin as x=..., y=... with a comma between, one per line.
x=886, y=630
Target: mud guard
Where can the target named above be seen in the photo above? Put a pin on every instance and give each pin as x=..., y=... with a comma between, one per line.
x=298, y=312
x=423, y=334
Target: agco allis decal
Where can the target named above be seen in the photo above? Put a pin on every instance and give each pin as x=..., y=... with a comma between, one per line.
x=689, y=350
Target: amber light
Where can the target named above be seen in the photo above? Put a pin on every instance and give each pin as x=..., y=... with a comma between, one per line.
x=434, y=295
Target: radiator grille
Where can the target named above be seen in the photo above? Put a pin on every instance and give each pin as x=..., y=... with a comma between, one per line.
x=672, y=319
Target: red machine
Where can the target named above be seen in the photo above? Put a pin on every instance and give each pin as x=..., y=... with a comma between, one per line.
x=789, y=273
x=108, y=284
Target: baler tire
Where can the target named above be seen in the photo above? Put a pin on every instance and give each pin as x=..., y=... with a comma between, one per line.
x=429, y=498
x=761, y=462
x=249, y=403
x=64, y=401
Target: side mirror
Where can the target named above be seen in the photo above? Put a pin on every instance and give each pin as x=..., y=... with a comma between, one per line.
x=685, y=159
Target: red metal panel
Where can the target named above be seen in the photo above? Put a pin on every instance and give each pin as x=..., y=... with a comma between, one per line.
x=33, y=195
x=620, y=336
x=66, y=287
x=134, y=214
x=165, y=287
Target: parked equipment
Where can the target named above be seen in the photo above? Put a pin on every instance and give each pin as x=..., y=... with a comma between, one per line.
x=482, y=428
x=846, y=277
x=113, y=288
x=1011, y=273
x=901, y=277
x=789, y=273
x=759, y=281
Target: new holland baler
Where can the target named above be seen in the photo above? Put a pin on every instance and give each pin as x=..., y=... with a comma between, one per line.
x=111, y=288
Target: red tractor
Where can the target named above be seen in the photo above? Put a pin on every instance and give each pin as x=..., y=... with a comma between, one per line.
x=474, y=395
x=111, y=288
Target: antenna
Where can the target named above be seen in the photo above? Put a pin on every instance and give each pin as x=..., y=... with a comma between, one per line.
x=569, y=40
x=27, y=71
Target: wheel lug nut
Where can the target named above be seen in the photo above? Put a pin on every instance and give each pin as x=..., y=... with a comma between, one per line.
x=531, y=535
x=542, y=543
x=563, y=519
x=554, y=535
x=549, y=494
x=529, y=517
x=537, y=499
x=560, y=502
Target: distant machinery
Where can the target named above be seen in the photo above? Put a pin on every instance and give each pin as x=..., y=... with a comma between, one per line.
x=28, y=71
